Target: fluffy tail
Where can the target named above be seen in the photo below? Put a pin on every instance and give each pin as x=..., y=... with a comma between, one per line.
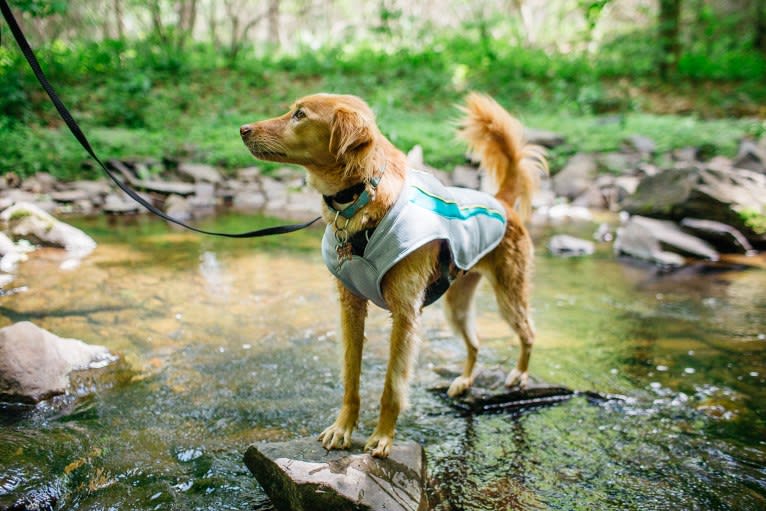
x=498, y=139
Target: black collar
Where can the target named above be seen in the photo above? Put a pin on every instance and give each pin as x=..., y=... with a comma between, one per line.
x=346, y=195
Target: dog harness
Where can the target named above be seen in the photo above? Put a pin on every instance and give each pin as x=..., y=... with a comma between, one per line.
x=470, y=223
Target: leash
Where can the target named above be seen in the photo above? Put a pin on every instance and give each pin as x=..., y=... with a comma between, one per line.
x=29, y=55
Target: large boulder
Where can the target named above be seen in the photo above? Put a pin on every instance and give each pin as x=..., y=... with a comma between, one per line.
x=735, y=197
x=724, y=238
x=301, y=475
x=36, y=364
x=25, y=220
x=661, y=242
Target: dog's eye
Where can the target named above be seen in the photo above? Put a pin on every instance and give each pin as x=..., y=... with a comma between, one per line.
x=299, y=114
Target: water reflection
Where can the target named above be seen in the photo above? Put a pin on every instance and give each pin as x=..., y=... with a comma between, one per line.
x=229, y=342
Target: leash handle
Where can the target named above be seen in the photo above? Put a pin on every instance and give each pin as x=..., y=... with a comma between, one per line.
x=29, y=55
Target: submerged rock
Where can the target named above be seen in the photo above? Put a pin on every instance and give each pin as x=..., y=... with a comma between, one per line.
x=489, y=393
x=301, y=475
x=36, y=364
x=565, y=245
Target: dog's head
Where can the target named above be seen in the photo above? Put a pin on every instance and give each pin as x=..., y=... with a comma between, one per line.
x=331, y=135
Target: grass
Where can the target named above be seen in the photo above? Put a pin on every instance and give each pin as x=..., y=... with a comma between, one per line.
x=135, y=99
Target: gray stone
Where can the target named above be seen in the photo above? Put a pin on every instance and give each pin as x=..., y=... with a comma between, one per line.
x=565, y=245
x=178, y=207
x=723, y=237
x=640, y=144
x=489, y=393
x=248, y=200
x=39, y=183
x=686, y=154
x=593, y=197
x=544, y=138
x=70, y=195
x=120, y=204
x=301, y=476
x=466, y=176
x=660, y=241
x=6, y=245
x=200, y=172
x=751, y=156
x=619, y=163
x=28, y=221
x=735, y=197
x=249, y=174
x=576, y=176
x=36, y=364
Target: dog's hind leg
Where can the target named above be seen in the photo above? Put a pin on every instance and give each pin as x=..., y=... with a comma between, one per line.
x=508, y=270
x=353, y=313
x=461, y=314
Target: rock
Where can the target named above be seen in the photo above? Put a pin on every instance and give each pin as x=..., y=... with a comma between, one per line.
x=36, y=364
x=6, y=245
x=723, y=237
x=561, y=212
x=466, y=176
x=301, y=476
x=751, y=156
x=204, y=199
x=735, y=197
x=489, y=393
x=603, y=233
x=619, y=163
x=120, y=204
x=645, y=146
x=303, y=205
x=565, y=245
x=178, y=207
x=199, y=172
x=249, y=174
x=70, y=195
x=593, y=198
x=275, y=192
x=686, y=154
x=10, y=180
x=576, y=176
x=28, y=221
x=249, y=199
x=544, y=138
x=660, y=241
x=151, y=185
x=39, y=183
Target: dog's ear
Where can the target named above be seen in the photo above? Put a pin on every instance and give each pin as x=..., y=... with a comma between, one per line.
x=349, y=132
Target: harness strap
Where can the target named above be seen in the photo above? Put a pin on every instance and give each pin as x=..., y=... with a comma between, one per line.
x=29, y=55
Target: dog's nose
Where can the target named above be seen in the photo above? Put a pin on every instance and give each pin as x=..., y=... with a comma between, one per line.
x=245, y=130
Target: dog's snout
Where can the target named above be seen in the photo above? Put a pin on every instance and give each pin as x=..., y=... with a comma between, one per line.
x=245, y=129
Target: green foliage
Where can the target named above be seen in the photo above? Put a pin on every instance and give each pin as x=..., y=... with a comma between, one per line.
x=41, y=8
x=149, y=98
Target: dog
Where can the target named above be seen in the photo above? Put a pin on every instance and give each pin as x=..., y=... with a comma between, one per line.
x=364, y=180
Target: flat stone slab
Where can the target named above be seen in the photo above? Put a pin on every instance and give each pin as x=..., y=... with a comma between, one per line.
x=489, y=393
x=300, y=475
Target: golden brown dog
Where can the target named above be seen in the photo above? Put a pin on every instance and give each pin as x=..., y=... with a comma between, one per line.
x=336, y=139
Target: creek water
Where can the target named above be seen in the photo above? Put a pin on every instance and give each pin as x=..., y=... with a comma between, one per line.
x=227, y=342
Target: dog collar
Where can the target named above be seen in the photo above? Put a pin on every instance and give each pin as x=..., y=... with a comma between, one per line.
x=363, y=193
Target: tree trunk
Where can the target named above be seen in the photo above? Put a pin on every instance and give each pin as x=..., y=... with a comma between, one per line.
x=760, y=26
x=119, y=19
x=273, y=17
x=670, y=46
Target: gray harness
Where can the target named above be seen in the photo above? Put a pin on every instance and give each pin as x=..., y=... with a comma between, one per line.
x=471, y=223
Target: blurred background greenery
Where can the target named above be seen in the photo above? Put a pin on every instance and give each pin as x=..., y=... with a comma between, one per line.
x=176, y=78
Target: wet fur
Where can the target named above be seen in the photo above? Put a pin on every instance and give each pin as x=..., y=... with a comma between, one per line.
x=336, y=139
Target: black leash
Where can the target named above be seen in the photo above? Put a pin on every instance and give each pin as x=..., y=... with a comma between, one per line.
x=82, y=139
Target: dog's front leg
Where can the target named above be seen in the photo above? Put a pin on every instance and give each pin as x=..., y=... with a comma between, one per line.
x=403, y=289
x=353, y=311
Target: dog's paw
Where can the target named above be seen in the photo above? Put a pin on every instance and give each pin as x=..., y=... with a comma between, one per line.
x=459, y=386
x=516, y=377
x=379, y=445
x=336, y=436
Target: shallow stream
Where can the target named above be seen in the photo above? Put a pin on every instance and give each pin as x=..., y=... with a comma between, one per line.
x=228, y=342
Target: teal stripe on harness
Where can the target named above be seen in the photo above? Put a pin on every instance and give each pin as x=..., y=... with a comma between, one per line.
x=448, y=208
